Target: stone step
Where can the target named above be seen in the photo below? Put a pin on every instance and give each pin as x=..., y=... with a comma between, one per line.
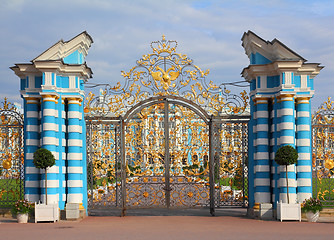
x=327, y=212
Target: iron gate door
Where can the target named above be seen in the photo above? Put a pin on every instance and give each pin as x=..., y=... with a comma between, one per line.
x=161, y=173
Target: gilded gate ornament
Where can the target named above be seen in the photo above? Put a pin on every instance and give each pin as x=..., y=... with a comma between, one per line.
x=323, y=152
x=165, y=72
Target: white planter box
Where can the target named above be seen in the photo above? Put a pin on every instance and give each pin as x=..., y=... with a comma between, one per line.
x=46, y=213
x=289, y=211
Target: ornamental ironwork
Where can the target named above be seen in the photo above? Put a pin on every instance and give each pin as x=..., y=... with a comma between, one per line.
x=166, y=138
x=164, y=72
x=323, y=153
x=11, y=154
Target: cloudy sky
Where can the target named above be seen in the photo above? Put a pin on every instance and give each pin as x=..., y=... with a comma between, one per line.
x=208, y=31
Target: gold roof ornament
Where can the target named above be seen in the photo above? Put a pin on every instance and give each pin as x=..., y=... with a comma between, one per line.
x=164, y=72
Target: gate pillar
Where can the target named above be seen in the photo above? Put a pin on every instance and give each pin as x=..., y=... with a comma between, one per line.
x=53, y=92
x=281, y=86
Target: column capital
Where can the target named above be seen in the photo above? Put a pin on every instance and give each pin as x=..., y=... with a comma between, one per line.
x=74, y=100
x=305, y=100
x=285, y=97
x=261, y=100
x=32, y=100
x=50, y=98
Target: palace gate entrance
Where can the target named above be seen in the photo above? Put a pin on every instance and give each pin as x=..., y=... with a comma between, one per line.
x=166, y=139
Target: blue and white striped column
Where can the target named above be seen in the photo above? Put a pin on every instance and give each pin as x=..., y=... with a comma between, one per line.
x=287, y=137
x=50, y=142
x=84, y=157
x=32, y=142
x=62, y=153
x=262, y=166
x=275, y=120
x=74, y=155
x=251, y=156
x=303, y=137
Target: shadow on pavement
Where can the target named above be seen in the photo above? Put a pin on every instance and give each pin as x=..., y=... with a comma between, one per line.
x=200, y=212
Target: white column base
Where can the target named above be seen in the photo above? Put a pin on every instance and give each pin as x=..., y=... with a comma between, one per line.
x=262, y=197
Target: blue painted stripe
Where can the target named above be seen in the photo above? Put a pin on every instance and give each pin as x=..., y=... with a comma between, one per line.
x=31, y=149
x=287, y=118
x=29, y=190
x=74, y=149
x=287, y=132
x=303, y=107
x=51, y=191
x=49, y=105
x=49, y=133
x=32, y=106
x=74, y=135
x=32, y=177
x=74, y=176
x=51, y=148
x=75, y=190
x=262, y=175
x=53, y=176
x=262, y=149
x=262, y=135
x=303, y=120
x=31, y=121
x=263, y=189
x=74, y=163
x=32, y=135
x=303, y=135
x=292, y=190
x=304, y=189
x=287, y=104
x=291, y=175
x=304, y=174
x=262, y=162
x=304, y=162
x=262, y=121
x=262, y=107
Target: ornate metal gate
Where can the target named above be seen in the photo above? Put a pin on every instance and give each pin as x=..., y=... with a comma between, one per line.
x=323, y=153
x=11, y=155
x=167, y=138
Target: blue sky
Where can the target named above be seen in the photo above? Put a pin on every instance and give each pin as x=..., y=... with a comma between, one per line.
x=209, y=32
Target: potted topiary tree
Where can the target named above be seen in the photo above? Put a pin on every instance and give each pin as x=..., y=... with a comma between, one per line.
x=287, y=155
x=44, y=159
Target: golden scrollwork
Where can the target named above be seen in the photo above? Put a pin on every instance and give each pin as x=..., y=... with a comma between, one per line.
x=323, y=151
x=165, y=72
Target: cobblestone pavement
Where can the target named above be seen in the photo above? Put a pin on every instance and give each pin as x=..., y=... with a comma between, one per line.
x=228, y=224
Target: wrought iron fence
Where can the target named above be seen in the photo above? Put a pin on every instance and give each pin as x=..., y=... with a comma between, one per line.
x=323, y=153
x=11, y=155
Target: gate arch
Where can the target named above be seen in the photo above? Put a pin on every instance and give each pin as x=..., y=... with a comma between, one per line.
x=162, y=81
x=169, y=179
x=171, y=99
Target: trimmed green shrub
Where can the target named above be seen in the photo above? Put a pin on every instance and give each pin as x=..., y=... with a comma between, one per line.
x=286, y=155
x=44, y=159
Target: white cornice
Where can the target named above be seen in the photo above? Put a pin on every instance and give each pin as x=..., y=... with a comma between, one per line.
x=61, y=49
x=58, y=66
x=38, y=67
x=24, y=69
x=64, y=91
x=278, y=67
x=274, y=50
